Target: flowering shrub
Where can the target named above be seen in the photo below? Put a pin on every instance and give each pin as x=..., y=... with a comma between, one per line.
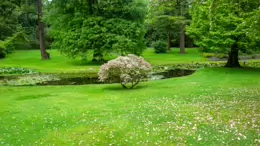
x=125, y=70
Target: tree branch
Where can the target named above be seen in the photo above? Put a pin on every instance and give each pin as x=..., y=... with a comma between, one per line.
x=133, y=85
x=124, y=86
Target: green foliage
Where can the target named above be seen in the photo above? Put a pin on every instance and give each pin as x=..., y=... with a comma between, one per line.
x=160, y=46
x=16, y=16
x=218, y=25
x=8, y=46
x=10, y=42
x=153, y=34
x=9, y=13
x=19, y=16
x=2, y=50
x=16, y=70
x=164, y=20
x=218, y=55
x=253, y=23
x=17, y=24
x=221, y=55
x=208, y=55
x=102, y=26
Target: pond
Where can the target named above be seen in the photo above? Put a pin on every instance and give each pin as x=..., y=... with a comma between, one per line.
x=43, y=80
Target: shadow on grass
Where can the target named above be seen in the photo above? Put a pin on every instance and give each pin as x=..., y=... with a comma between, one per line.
x=225, y=70
x=250, y=69
x=243, y=69
x=28, y=97
x=120, y=88
x=87, y=63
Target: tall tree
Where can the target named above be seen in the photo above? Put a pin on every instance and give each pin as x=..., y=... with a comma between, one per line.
x=221, y=26
x=28, y=20
x=18, y=16
x=9, y=13
x=11, y=28
x=182, y=29
x=102, y=26
x=170, y=16
x=44, y=53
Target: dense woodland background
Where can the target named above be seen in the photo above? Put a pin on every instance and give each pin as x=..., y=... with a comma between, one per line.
x=69, y=76
x=130, y=26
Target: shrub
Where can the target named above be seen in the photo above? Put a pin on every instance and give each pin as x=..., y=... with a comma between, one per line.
x=208, y=55
x=2, y=51
x=221, y=56
x=9, y=47
x=159, y=46
x=255, y=56
x=125, y=70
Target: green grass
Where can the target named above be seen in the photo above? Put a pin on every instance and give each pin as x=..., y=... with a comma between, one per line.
x=174, y=57
x=214, y=106
x=60, y=63
x=32, y=59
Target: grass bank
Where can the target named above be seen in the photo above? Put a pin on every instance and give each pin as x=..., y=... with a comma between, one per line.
x=59, y=63
x=215, y=106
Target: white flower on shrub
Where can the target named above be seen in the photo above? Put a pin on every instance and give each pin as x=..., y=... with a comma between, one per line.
x=125, y=70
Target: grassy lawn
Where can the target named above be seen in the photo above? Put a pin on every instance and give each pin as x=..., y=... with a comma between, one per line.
x=32, y=59
x=193, y=55
x=59, y=63
x=214, y=106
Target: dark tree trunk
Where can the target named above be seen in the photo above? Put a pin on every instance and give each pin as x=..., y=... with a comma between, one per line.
x=123, y=85
x=233, y=60
x=182, y=40
x=169, y=41
x=91, y=6
x=98, y=56
x=45, y=55
x=182, y=32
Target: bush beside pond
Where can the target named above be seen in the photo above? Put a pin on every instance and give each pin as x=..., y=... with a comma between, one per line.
x=126, y=70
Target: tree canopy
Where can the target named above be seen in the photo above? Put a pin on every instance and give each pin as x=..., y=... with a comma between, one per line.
x=167, y=20
x=122, y=27
x=102, y=26
x=224, y=26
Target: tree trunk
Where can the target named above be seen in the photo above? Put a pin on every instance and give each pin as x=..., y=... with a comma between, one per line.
x=92, y=6
x=169, y=41
x=123, y=85
x=182, y=32
x=182, y=40
x=45, y=55
x=233, y=61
